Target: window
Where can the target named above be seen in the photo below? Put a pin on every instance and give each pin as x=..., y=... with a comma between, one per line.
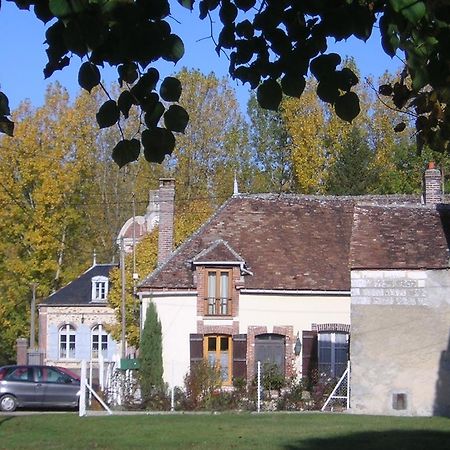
x=270, y=352
x=99, y=289
x=218, y=302
x=99, y=342
x=67, y=342
x=333, y=354
x=217, y=350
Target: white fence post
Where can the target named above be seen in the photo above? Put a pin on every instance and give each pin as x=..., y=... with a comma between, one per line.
x=82, y=401
x=259, y=387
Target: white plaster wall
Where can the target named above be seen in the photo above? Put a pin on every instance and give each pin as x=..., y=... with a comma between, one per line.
x=400, y=341
x=298, y=311
x=178, y=316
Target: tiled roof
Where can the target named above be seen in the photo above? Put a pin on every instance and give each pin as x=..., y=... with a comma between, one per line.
x=78, y=291
x=219, y=250
x=399, y=237
x=287, y=242
x=296, y=242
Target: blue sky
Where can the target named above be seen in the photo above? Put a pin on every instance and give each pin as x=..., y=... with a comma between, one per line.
x=23, y=55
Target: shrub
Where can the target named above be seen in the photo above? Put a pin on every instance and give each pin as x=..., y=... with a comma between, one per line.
x=200, y=384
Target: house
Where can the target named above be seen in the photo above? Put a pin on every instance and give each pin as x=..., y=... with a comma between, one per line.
x=73, y=321
x=267, y=278
x=400, y=307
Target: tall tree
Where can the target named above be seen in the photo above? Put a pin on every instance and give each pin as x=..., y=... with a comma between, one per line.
x=270, y=141
x=214, y=145
x=150, y=355
x=353, y=173
x=45, y=176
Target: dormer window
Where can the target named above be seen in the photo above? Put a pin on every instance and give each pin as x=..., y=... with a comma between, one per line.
x=218, y=301
x=99, y=289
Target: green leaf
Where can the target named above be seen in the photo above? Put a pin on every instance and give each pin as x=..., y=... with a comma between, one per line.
x=188, y=4
x=400, y=127
x=347, y=106
x=415, y=12
x=4, y=105
x=228, y=12
x=157, y=142
x=153, y=117
x=327, y=91
x=6, y=126
x=346, y=79
x=269, y=94
x=293, y=85
x=245, y=5
x=108, y=114
x=173, y=48
x=126, y=151
x=128, y=72
x=88, y=76
x=176, y=118
x=325, y=65
x=125, y=102
x=170, y=89
x=60, y=8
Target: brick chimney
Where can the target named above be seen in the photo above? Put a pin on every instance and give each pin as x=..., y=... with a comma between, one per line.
x=432, y=185
x=166, y=213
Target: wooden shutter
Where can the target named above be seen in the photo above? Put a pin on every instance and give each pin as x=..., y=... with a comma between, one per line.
x=310, y=353
x=240, y=356
x=196, y=347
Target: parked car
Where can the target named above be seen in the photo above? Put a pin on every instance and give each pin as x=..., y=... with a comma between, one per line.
x=37, y=387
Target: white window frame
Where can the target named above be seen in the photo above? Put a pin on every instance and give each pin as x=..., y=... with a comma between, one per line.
x=99, y=294
x=67, y=342
x=102, y=340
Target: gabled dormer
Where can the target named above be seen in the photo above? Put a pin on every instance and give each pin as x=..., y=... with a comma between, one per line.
x=100, y=287
x=219, y=273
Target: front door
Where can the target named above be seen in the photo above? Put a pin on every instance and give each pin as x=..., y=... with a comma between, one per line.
x=269, y=350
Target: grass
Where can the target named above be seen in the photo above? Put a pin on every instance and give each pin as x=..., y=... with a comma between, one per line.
x=224, y=431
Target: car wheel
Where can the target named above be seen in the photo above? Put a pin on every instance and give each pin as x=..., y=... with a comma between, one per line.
x=8, y=403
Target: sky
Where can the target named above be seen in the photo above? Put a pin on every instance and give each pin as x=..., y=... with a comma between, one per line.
x=23, y=55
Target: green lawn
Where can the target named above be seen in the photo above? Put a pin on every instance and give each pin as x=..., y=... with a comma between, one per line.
x=224, y=431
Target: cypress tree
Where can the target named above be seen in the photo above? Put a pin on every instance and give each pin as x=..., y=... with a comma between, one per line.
x=151, y=366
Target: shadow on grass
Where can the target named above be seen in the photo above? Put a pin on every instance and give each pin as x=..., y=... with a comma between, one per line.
x=383, y=440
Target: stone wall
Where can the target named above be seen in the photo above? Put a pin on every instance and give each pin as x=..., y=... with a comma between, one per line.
x=400, y=342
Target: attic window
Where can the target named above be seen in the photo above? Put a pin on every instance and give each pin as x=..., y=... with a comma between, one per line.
x=99, y=289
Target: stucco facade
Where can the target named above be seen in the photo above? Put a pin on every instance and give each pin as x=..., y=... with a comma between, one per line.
x=400, y=345
x=83, y=319
x=287, y=315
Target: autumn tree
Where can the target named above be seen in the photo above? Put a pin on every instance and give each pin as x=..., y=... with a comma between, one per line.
x=214, y=146
x=272, y=46
x=45, y=176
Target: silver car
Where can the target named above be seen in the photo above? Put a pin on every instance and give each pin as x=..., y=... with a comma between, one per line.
x=37, y=387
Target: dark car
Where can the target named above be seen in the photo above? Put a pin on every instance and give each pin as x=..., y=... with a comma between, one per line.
x=37, y=387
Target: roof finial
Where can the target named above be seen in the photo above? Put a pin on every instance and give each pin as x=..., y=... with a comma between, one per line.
x=94, y=258
x=235, y=185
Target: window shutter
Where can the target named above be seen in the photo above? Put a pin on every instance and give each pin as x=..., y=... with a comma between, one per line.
x=240, y=356
x=310, y=355
x=196, y=347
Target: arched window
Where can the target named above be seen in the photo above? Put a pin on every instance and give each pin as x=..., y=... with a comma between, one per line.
x=67, y=342
x=99, y=342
